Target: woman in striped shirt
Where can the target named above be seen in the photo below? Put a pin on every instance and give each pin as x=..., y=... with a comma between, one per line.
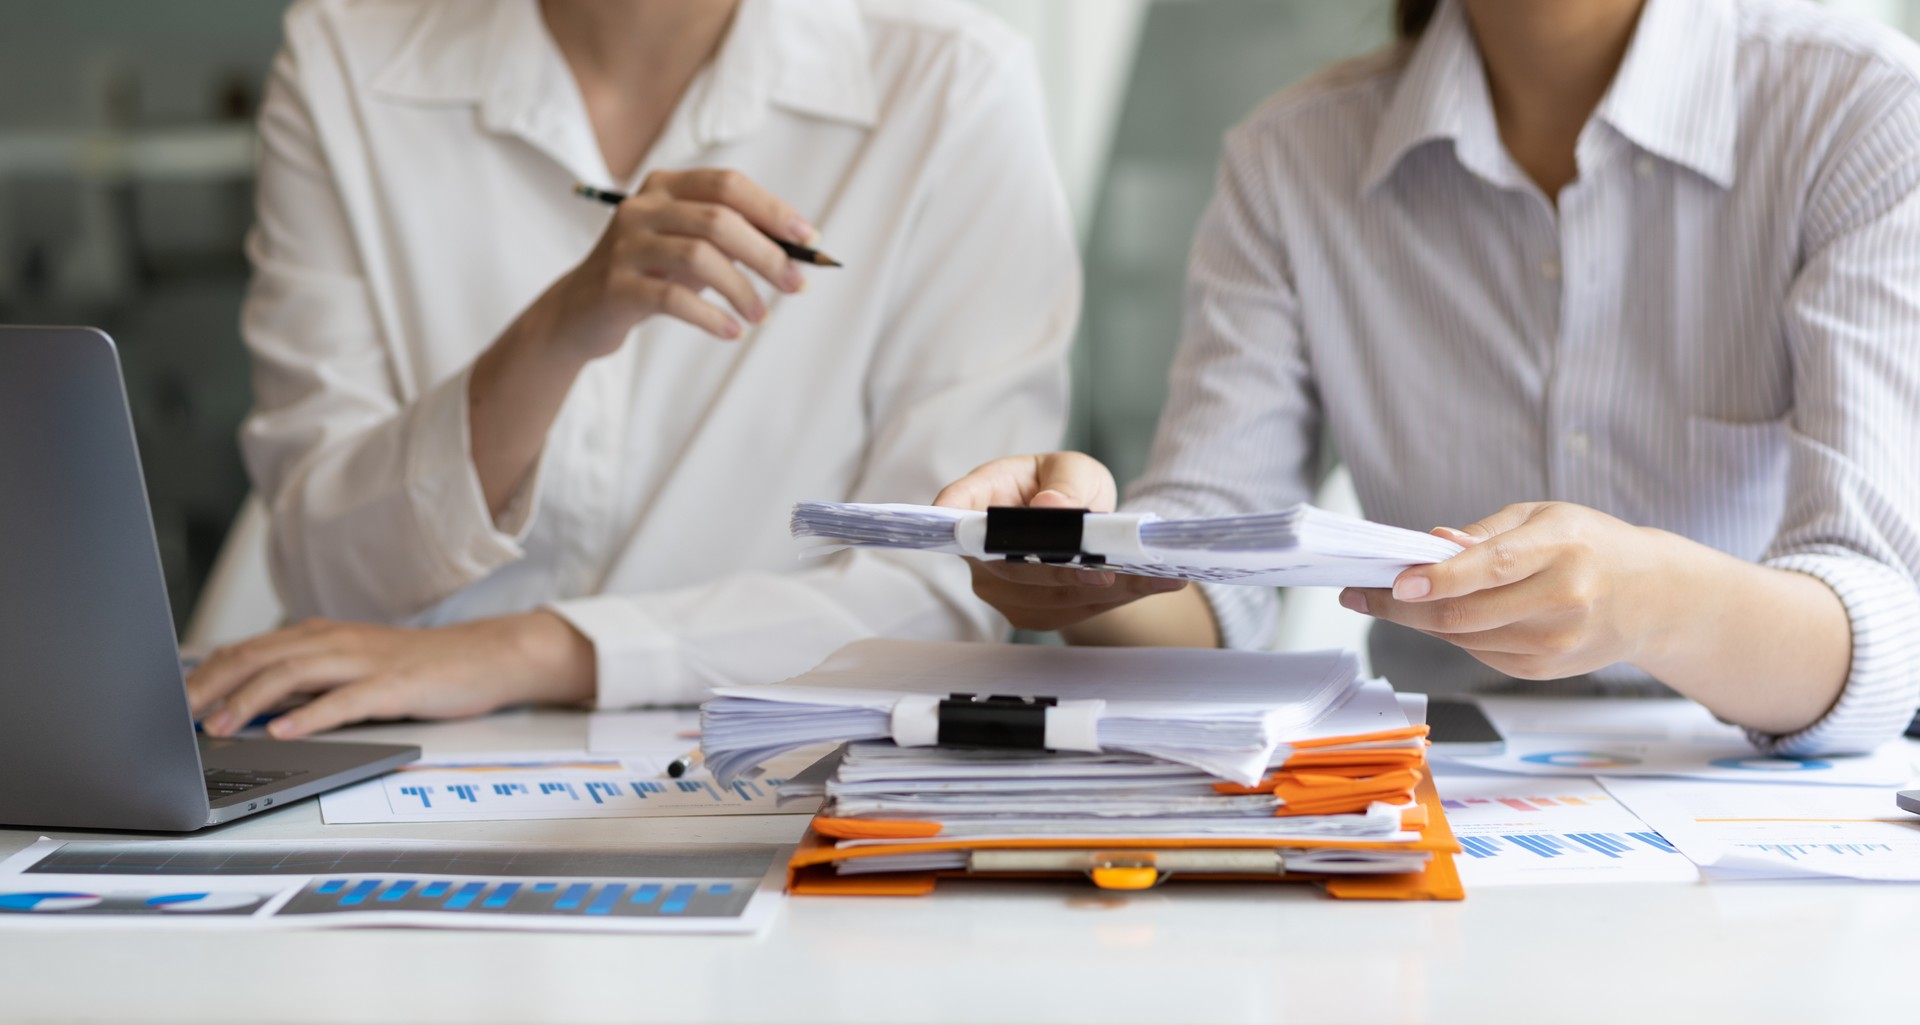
x=1626, y=290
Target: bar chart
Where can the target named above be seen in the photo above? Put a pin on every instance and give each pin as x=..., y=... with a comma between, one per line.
x=565, y=785
x=1537, y=830
x=628, y=897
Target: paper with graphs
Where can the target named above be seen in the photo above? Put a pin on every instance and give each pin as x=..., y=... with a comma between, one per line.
x=553, y=785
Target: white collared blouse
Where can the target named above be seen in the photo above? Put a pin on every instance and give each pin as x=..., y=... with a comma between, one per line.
x=1715, y=332
x=414, y=198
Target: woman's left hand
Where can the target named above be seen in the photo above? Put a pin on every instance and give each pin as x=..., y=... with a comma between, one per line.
x=1545, y=590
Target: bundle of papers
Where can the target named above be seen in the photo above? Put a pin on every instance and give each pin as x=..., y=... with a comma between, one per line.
x=1225, y=713
x=1242, y=762
x=1301, y=546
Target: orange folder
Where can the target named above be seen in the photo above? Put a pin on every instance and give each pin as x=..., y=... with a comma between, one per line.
x=811, y=869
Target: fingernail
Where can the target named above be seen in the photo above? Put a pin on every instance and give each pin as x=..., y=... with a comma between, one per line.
x=220, y=725
x=1162, y=586
x=1412, y=588
x=1459, y=537
x=1353, y=601
x=280, y=727
x=730, y=330
x=792, y=280
x=757, y=312
x=1095, y=578
x=802, y=232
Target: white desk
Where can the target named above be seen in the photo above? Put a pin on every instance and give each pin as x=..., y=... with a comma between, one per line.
x=1769, y=952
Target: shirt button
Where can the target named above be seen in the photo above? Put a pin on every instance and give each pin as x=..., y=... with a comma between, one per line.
x=1579, y=443
x=1643, y=166
x=1550, y=269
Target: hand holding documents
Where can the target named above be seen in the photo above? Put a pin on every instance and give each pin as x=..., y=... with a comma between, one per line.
x=1296, y=547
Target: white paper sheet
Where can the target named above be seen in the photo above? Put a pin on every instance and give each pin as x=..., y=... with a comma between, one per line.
x=555, y=785
x=671, y=733
x=1521, y=832
x=1771, y=831
x=197, y=884
x=1586, y=737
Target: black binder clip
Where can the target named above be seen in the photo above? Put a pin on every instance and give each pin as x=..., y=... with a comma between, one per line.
x=1043, y=535
x=998, y=720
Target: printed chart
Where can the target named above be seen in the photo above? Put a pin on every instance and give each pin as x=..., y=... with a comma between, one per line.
x=1587, y=737
x=677, y=888
x=553, y=785
x=1519, y=831
x=1778, y=831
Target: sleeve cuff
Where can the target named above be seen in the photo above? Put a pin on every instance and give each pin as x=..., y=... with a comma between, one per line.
x=1883, y=683
x=450, y=507
x=634, y=656
x=1248, y=617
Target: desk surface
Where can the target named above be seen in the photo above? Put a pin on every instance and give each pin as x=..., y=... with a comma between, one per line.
x=1753, y=952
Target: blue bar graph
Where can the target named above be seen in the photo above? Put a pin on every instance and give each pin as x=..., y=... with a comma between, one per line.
x=609, y=898
x=464, y=896
x=466, y=792
x=595, y=789
x=597, y=898
x=1609, y=845
x=641, y=788
x=570, y=899
x=677, y=899
x=509, y=789
x=1797, y=851
x=501, y=895
x=395, y=892
x=419, y=792
x=359, y=892
x=559, y=788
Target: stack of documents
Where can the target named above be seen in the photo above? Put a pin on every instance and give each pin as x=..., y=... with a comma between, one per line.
x=1198, y=761
x=1297, y=547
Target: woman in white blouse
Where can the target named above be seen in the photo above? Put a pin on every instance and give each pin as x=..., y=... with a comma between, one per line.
x=519, y=446
x=1629, y=294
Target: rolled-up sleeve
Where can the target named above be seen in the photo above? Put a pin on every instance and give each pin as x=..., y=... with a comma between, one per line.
x=377, y=508
x=1853, y=514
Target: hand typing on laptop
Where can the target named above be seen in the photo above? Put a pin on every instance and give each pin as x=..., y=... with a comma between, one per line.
x=361, y=671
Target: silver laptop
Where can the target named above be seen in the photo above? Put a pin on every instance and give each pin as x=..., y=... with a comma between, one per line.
x=94, y=727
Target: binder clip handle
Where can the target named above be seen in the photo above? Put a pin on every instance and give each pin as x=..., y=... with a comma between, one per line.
x=1044, y=535
x=998, y=720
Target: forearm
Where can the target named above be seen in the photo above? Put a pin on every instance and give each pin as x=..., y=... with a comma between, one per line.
x=513, y=397
x=1768, y=649
x=1179, y=619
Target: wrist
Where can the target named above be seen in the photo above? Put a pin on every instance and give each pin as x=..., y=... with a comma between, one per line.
x=557, y=660
x=1683, y=597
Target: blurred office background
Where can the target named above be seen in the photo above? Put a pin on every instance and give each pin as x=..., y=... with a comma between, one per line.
x=125, y=186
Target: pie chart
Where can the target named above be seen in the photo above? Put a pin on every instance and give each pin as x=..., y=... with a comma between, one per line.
x=48, y=901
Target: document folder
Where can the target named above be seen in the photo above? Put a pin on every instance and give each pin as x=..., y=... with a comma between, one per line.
x=1132, y=864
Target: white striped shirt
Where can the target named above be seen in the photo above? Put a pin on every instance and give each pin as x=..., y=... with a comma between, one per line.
x=1717, y=332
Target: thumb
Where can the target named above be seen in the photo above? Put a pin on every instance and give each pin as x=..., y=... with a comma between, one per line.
x=1072, y=480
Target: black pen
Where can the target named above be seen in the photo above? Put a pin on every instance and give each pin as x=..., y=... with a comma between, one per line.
x=684, y=764
x=798, y=252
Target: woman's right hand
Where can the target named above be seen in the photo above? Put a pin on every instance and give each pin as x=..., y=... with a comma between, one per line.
x=684, y=232
x=1034, y=597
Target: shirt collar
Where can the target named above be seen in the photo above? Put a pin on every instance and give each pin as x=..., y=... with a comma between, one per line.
x=1680, y=48
x=1441, y=96
x=807, y=56
x=1674, y=95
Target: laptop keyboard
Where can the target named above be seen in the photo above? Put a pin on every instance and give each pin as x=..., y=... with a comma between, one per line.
x=228, y=782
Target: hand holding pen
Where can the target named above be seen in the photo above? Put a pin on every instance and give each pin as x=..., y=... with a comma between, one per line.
x=683, y=233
